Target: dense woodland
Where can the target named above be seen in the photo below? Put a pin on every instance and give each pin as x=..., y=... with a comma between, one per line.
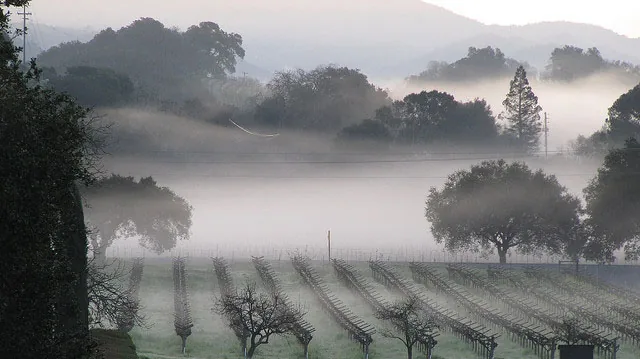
x=51, y=141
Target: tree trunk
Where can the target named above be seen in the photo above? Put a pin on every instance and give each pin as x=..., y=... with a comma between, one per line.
x=72, y=323
x=184, y=345
x=76, y=305
x=502, y=253
x=409, y=351
x=79, y=261
x=251, y=350
x=252, y=346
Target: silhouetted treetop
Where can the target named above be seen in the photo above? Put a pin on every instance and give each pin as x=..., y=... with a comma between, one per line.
x=624, y=116
x=326, y=98
x=613, y=203
x=436, y=117
x=569, y=63
x=623, y=123
x=165, y=61
x=480, y=63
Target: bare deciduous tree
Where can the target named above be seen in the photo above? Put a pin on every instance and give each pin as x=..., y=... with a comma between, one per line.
x=569, y=331
x=109, y=302
x=411, y=325
x=126, y=319
x=259, y=314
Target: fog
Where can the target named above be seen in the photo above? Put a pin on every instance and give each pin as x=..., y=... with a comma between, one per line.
x=579, y=108
x=259, y=195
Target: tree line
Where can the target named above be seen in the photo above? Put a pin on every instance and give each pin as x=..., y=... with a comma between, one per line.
x=191, y=73
x=566, y=64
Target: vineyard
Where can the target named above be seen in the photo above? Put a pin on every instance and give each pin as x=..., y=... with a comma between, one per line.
x=481, y=311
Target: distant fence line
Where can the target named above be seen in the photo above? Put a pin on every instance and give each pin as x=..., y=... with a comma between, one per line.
x=400, y=254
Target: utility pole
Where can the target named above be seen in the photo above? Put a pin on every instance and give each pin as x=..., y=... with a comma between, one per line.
x=546, y=135
x=24, y=14
x=329, y=243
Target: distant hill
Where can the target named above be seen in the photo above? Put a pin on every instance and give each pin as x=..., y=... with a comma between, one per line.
x=42, y=36
x=385, y=39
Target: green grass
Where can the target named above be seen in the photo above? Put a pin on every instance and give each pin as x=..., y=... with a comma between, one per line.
x=211, y=338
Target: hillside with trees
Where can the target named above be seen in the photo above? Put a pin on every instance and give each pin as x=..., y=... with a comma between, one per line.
x=478, y=65
x=163, y=63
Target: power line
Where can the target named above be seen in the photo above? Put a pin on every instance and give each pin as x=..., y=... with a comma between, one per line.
x=24, y=14
x=532, y=154
x=493, y=154
x=183, y=175
x=186, y=158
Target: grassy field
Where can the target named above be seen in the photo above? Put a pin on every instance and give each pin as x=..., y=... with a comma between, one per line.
x=211, y=337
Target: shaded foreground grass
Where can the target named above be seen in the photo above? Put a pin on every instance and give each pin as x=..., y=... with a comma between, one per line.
x=113, y=344
x=211, y=338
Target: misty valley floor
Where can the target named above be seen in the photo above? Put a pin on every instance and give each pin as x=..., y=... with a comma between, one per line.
x=211, y=338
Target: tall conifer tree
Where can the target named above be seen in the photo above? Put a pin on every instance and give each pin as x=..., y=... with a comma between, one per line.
x=522, y=113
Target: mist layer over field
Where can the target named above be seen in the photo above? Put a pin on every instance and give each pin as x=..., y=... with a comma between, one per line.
x=288, y=191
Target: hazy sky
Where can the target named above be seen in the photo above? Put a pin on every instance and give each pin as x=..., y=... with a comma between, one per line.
x=617, y=15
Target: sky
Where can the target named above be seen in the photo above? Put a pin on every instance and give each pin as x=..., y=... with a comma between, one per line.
x=617, y=15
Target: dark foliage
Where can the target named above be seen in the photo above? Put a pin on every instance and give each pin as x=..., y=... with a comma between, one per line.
x=91, y=86
x=435, y=117
x=479, y=64
x=613, y=204
x=164, y=62
x=624, y=116
x=370, y=134
x=522, y=113
x=570, y=63
x=46, y=147
x=326, y=99
x=623, y=123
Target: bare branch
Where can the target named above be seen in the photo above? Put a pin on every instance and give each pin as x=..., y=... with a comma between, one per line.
x=260, y=315
x=110, y=304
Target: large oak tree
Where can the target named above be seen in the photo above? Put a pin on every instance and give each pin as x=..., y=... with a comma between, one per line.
x=502, y=206
x=121, y=207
